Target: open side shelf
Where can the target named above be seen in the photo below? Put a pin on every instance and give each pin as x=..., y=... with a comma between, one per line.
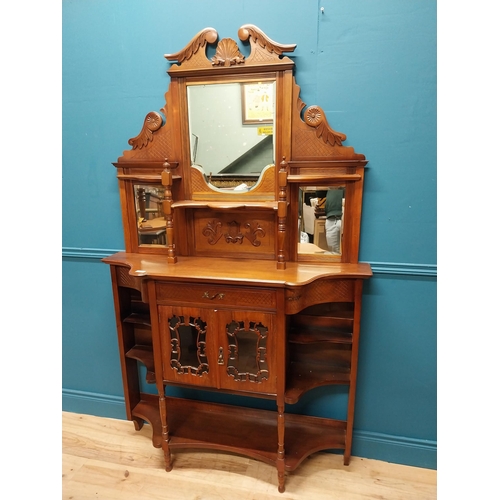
x=142, y=349
x=310, y=367
x=138, y=319
x=319, y=349
x=245, y=431
x=144, y=354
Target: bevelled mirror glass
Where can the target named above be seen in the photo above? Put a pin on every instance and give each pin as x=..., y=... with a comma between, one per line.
x=151, y=224
x=321, y=219
x=231, y=131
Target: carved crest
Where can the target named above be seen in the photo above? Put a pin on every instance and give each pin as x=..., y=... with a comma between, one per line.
x=227, y=53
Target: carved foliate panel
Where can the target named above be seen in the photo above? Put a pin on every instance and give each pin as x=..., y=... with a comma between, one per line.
x=246, y=232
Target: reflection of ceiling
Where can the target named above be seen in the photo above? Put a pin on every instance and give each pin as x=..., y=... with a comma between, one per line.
x=254, y=160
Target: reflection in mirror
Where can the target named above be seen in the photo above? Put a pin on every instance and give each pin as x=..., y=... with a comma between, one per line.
x=231, y=128
x=151, y=224
x=321, y=219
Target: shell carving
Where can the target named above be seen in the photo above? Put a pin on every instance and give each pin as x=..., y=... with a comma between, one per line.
x=152, y=122
x=227, y=53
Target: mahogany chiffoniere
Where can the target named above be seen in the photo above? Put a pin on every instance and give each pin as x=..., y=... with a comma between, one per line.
x=241, y=212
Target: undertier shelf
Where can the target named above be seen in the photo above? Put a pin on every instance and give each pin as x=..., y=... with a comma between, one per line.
x=245, y=431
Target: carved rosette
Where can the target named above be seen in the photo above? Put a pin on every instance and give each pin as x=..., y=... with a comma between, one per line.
x=315, y=117
x=152, y=123
x=227, y=53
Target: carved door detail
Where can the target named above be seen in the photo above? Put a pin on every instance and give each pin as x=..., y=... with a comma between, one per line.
x=187, y=345
x=248, y=340
x=227, y=349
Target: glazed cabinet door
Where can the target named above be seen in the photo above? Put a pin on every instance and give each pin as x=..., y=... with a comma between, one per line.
x=247, y=351
x=188, y=340
x=223, y=349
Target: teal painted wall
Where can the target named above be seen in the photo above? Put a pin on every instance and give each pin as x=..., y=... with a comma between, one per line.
x=371, y=65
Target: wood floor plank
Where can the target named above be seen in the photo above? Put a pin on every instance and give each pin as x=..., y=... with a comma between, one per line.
x=107, y=459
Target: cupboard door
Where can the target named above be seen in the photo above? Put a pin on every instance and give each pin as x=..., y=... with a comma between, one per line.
x=187, y=350
x=247, y=351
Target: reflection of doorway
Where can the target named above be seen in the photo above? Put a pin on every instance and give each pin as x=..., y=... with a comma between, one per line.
x=320, y=234
x=312, y=217
x=151, y=224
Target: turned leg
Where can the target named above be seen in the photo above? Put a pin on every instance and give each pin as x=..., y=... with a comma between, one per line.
x=164, y=433
x=280, y=462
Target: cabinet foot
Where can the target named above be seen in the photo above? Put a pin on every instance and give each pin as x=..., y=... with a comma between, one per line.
x=168, y=459
x=281, y=482
x=138, y=423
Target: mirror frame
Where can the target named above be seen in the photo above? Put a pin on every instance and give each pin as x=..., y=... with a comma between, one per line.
x=308, y=152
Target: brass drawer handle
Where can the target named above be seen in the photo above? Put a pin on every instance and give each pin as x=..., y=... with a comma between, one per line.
x=206, y=295
x=220, y=360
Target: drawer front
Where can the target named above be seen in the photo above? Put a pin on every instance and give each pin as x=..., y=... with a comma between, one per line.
x=216, y=295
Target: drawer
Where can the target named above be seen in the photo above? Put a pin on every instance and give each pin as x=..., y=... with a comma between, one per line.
x=215, y=295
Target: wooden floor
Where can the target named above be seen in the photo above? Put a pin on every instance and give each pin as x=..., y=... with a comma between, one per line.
x=107, y=459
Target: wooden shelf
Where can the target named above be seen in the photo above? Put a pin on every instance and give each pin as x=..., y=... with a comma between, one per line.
x=304, y=376
x=244, y=431
x=138, y=319
x=144, y=354
x=227, y=205
x=334, y=335
x=316, y=364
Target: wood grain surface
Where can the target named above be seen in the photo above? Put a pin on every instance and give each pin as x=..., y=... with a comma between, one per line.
x=106, y=458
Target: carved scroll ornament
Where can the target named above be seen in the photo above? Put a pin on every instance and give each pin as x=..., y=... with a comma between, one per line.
x=315, y=117
x=249, y=31
x=199, y=41
x=152, y=123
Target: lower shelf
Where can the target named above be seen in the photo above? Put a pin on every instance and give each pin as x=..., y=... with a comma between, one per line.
x=246, y=431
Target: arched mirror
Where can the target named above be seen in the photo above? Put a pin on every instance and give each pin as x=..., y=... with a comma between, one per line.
x=231, y=131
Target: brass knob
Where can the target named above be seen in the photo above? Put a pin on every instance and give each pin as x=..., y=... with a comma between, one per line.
x=220, y=361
